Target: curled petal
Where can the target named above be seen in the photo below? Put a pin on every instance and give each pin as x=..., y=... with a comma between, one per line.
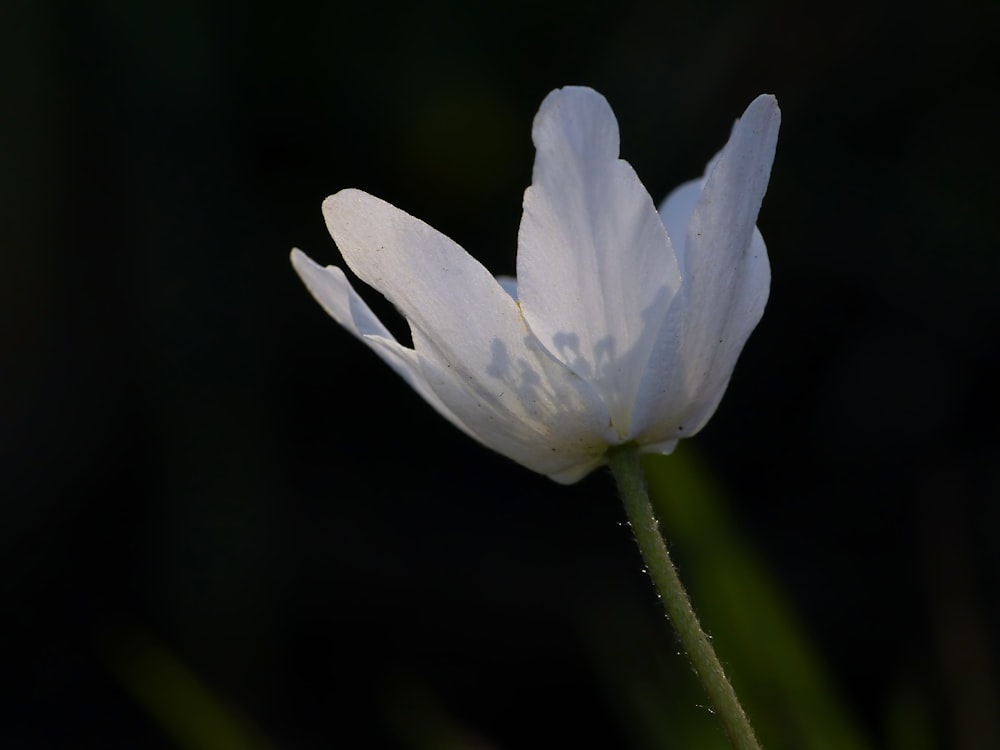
x=726, y=277
x=335, y=294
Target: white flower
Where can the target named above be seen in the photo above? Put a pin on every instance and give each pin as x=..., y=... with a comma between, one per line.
x=624, y=324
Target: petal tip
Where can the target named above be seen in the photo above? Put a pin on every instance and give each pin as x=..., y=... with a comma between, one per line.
x=576, y=97
x=300, y=261
x=348, y=198
x=577, y=117
x=574, y=91
x=764, y=110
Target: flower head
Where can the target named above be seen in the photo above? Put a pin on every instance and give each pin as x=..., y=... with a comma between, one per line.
x=624, y=322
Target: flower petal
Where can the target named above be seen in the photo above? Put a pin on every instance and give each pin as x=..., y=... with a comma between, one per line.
x=596, y=271
x=474, y=349
x=726, y=276
x=335, y=294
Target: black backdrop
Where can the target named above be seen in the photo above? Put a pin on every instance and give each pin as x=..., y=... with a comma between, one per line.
x=195, y=456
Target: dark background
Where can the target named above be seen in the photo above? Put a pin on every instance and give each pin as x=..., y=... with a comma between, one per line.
x=199, y=469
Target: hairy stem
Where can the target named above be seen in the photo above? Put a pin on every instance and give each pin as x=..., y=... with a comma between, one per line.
x=624, y=461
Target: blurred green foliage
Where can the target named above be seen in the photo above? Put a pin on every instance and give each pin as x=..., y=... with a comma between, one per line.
x=775, y=669
x=186, y=709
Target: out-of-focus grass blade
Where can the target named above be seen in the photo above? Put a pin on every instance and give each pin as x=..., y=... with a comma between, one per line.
x=422, y=722
x=173, y=695
x=777, y=674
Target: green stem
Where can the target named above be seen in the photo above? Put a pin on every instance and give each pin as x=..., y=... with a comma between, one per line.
x=624, y=461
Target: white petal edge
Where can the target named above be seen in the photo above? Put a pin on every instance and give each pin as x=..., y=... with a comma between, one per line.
x=726, y=276
x=474, y=349
x=330, y=287
x=595, y=269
